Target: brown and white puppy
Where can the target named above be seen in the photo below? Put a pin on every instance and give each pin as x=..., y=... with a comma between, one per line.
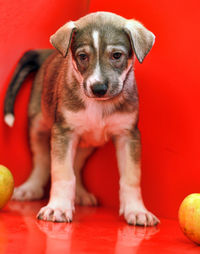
x=84, y=94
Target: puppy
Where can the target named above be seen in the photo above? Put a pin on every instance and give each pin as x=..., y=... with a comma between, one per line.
x=83, y=95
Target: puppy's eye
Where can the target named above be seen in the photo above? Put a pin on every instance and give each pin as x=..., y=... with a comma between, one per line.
x=83, y=57
x=116, y=55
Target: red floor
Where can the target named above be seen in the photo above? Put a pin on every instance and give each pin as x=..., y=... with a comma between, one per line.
x=94, y=230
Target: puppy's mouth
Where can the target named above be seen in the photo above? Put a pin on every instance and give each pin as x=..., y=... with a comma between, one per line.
x=102, y=99
x=105, y=97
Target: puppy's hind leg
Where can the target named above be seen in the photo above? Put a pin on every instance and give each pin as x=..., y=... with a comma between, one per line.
x=33, y=188
x=83, y=197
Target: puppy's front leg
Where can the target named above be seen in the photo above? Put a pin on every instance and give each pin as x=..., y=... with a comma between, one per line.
x=131, y=203
x=62, y=195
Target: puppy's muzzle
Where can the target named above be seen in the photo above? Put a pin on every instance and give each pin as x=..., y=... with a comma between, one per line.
x=99, y=90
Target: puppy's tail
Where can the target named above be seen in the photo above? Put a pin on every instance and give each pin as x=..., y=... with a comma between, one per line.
x=30, y=61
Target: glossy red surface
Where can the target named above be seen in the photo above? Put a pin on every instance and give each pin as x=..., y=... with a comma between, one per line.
x=94, y=230
x=168, y=82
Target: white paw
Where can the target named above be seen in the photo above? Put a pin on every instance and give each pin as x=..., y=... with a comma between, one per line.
x=28, y=191
x=55, y=214
x=132, y=206
x=85, y=198
x=141, y=218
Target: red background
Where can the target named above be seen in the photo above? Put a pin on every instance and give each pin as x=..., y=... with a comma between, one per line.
x=169, y=87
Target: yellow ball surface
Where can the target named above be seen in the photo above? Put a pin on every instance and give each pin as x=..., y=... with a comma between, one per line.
x=6, y=185
x=189, y=217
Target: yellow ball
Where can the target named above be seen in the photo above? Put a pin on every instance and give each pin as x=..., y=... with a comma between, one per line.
x=189, y=217
x=6, y=185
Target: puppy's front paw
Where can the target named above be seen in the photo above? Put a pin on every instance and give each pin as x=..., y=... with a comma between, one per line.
x=28, y=191
x=49, y=213
x=141, y=218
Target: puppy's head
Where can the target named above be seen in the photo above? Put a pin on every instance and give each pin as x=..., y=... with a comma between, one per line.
x=103, y=45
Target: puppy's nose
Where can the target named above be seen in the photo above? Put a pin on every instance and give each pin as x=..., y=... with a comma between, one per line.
x=99, y=89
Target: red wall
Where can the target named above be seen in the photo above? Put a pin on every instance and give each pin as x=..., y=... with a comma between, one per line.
x=25, y=25
x=169, y=87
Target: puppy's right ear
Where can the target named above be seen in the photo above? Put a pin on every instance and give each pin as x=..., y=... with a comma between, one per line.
x=61, y=40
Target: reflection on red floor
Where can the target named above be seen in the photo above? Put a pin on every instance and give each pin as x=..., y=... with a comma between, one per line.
x=94, y=230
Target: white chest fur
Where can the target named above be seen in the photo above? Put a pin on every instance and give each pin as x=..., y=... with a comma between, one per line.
x=94, y=128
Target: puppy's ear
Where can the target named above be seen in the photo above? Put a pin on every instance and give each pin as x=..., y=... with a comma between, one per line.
x=141, y=39
x=61, y=40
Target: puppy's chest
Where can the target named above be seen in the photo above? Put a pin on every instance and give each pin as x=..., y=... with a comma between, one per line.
x=95, y=129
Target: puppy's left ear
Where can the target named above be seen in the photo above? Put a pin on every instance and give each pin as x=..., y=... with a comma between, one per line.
x=61, y=40
x=141, y=38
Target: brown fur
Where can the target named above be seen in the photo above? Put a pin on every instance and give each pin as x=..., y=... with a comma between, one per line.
x=65, y=110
